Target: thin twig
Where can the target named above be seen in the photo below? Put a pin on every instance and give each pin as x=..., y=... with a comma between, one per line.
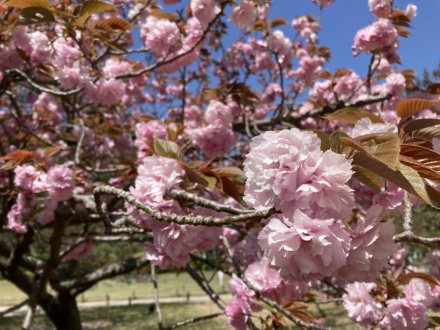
x=13, y=308
x=193, y=320
x=177, y=57
x=80, y=143
x=259, y=295
x=156, y=297
x=29, y=317
x=407, y=215
x=205, y=287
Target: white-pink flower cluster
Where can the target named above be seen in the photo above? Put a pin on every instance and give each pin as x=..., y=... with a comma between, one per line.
x=360, y=305
x=172, y=243
x=58, y=183
x=161, y=36
x=217, y=137
x=405, y=312
x=302, y=248
x=379, y=36
x=245, y=14
x=380, y=8
x=145, y=135
x=371, y=245
x=287, y=170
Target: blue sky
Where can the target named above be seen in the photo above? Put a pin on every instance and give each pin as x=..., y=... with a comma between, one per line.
x=341, y=20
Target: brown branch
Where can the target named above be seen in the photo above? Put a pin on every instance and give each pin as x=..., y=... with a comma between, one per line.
x=14, y=308
x=297, y=118
x=410, y=237
x=205, y=202
x=177, y=57
x=118, y=268
x=39, y=87
x=197, y=220
x=193, y=320
x=204, y=285
x=156, y=297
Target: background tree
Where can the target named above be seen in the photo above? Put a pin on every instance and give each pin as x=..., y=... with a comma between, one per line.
x=136, y=122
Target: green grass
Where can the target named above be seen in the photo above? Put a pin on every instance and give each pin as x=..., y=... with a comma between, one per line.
x=170, y=285
x=140, y=317
x=132, y=318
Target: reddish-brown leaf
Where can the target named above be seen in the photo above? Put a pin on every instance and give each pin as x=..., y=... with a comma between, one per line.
x=352, y=115
x=17, y=157
x=406, y=278
x=409, y=107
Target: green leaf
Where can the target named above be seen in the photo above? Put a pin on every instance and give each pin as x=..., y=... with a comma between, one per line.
x=35, y=15
x=352, y=115
x=325, y=140
x=91, y=7
x=335, y=141
x=165, y=148
x=404, y=177
x=367, y=177
x=409, y=107
x=383, y=146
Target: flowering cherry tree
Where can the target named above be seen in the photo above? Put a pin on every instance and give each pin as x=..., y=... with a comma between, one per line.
x=137, y=121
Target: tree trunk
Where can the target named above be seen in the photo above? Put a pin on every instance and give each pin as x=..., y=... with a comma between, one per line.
x=63, y=312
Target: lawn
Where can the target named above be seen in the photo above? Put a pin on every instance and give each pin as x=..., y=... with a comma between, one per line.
x=132, y=318
x=141, y=317
x=170, y=285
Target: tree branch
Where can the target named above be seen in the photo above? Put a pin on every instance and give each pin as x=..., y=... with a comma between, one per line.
x=156, y=297
x=177, y=57
x=197, y=220
x=39, y=87
x=409, y=237
x=193, y=320
x=297, y=118
x=118, y=268
x=205, y=202
x=205, y=287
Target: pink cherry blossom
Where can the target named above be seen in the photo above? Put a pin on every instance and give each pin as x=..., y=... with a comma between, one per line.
x=380, y=8
x=364, y=126
x=60, y=182
x=303, y=248
x=204, y=10
x=161, y=36
x=360, y=305
x=26, y=176
x=213, y=140
x=146, y=133
x=245, y=14
x=288, y=171
x=219, y=114
x=371, y=245
x=381, y=35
